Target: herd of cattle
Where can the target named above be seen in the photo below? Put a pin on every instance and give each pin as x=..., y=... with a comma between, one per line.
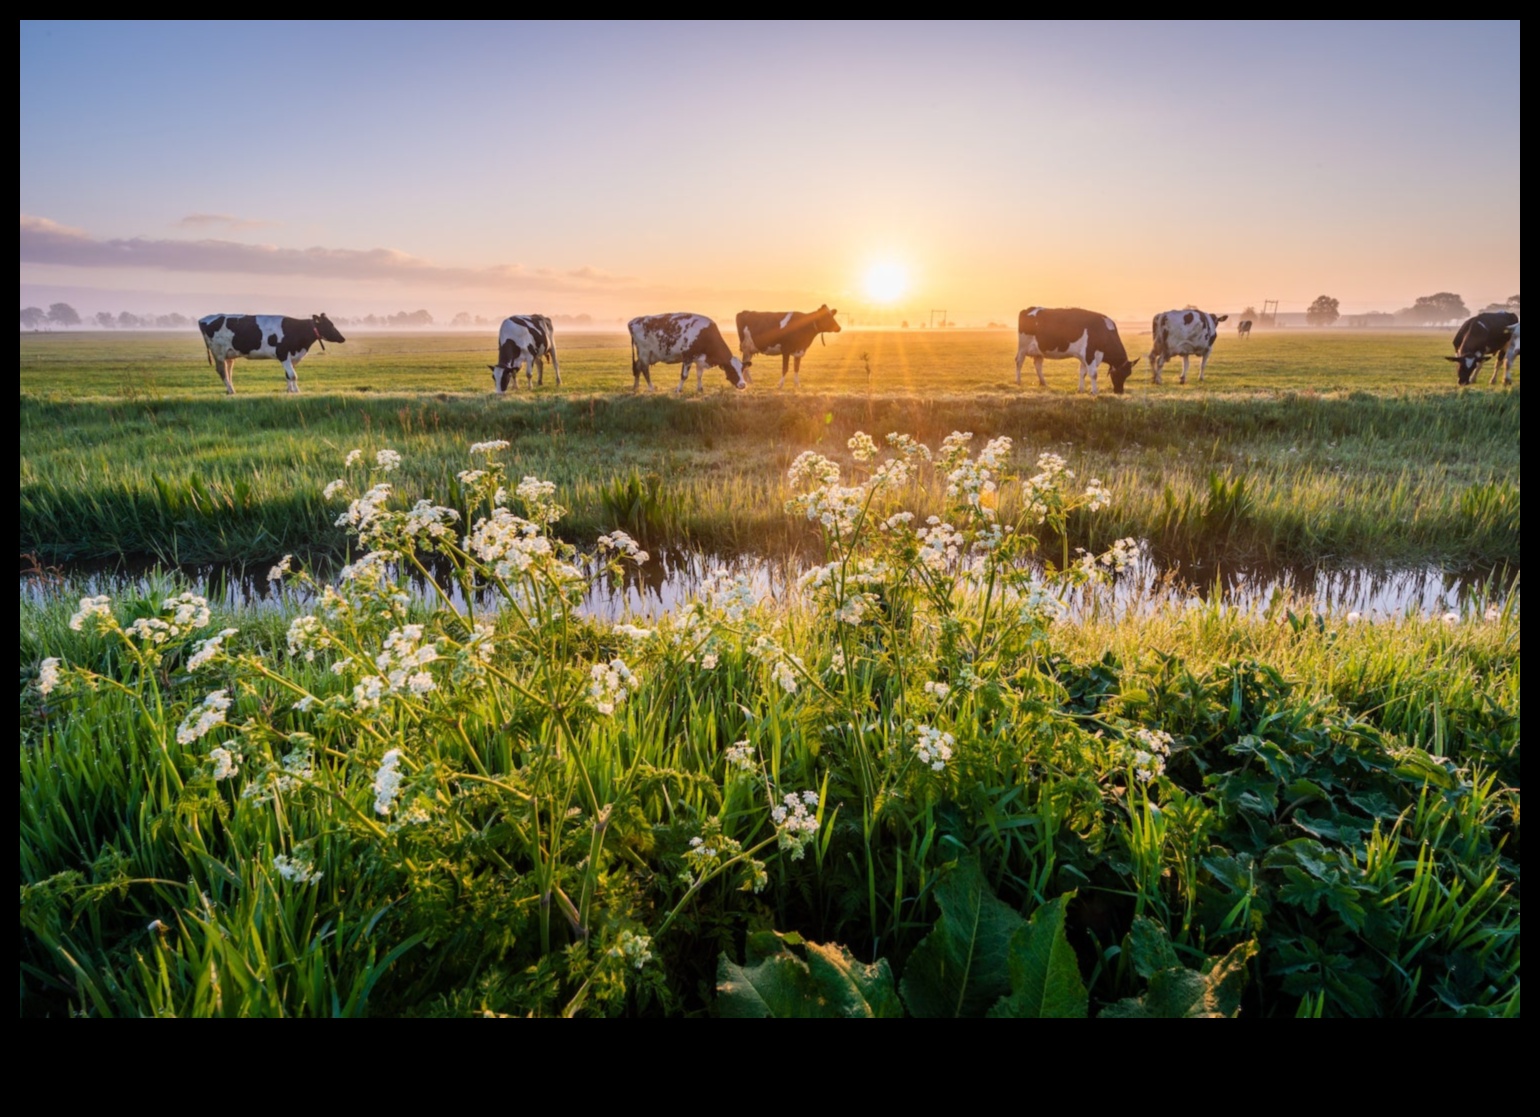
x=526, y=341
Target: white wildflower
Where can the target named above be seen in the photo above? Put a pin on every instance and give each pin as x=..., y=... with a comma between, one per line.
x=632, y=632
x=812, y=468
x=276, y=573
x=906, y=445
x=634, y=949
x=1151, y=749
x=203, y=717
x=366, y=695
x=1451, y=617
x=352, y=458
x=862, y=448
x=609, y=685
x=796, y=821
x=934, y=747
x=205, y=650
x=388, y=460
x=468, y=477
x=1493, y=613
x=624, y=546
x=741, y=756
x=47, y=676
x=491, y=447
x=307, y=635
x=709, y=661
x=299, y=870
x=333, y=488
x=225, y=763
x=99, y=606
x=387, y=782
x=937, y=690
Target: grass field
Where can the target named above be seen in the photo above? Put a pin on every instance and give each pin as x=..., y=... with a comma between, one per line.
x=1296, y=449
x=915, y=789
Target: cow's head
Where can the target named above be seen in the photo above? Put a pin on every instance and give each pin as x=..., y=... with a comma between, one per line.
x=735, y=374
x=505, y=376
x=1466, y=367
x=826, y=322
x=325, y=330
x=1120, y=372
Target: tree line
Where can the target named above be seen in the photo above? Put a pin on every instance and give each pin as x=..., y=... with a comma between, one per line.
x=64, y=315
x=1429, y=310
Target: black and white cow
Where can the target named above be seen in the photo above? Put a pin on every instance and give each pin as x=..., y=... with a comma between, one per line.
x=1185, y=334
x=1089, y=337
x=784, y=333
x=266, y=336
x=1243, y=327
x=1485, y=336
x=690, y=339
x=524, y=342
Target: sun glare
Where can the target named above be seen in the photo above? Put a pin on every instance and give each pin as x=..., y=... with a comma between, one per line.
x=886, y=282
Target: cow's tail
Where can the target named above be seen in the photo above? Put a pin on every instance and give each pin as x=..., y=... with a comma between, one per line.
x=635, y=356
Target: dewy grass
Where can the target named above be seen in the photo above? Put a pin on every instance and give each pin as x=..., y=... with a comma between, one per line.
x=1402, y=476
x=373, y=804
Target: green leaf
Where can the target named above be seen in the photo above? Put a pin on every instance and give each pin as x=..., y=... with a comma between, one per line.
x=960, y=968
x=1045, y=977
x=1213, y=992
x=1150, y=949
x=777, y=983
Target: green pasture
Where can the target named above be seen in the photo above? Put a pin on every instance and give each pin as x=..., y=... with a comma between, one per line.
x=1299, y=447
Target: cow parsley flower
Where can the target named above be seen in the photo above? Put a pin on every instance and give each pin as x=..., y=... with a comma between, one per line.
x=47, y=676
x=205, y=650
x=624, y=547
x=740, y=756
x=203, y=717
x=934, y=747
x=609, y=685
x=352, y=458
x=907, y=446
x=796, y=821
x=284, y=565
x=939, y=691
x=812, y=468
x=634, y=949
x=297, y=869
x=333, y=488
x=862, y=448
x=226, y=765
x=491, y=447
x=307, y=635
x=388, y=460
x=99, y=607
x=387, y=782
x=1150, y=750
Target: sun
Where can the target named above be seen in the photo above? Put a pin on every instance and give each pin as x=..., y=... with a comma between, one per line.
x=886, y=282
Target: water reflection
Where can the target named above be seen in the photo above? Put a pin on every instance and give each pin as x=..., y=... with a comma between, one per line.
x=671, y=578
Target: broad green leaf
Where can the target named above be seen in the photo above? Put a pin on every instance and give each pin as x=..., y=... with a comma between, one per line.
x=1045, y=976
x=960, y=968
x=777, y=983
x=1213, y=992
x=1150, y=949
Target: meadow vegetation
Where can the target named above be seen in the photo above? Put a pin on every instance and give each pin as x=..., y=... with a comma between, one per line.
x=913, y=788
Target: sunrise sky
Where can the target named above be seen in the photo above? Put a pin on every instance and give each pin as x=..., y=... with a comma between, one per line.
x=623, y=169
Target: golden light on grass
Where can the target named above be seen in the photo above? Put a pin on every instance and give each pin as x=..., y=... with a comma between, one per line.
x=886, y=281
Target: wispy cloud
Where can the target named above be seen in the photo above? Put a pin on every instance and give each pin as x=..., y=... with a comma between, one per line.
x=221, y=221
x=48, y=242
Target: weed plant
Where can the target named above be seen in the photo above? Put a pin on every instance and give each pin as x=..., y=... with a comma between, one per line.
x=912, y=789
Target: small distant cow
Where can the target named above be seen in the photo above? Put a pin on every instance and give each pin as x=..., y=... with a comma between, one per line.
x=784, y=333
x=1089, y=337
x=1243, y=327
x=524, y=342
x=264, y=336
x=1495, y=334
x=685, y=338
x=1185, y=334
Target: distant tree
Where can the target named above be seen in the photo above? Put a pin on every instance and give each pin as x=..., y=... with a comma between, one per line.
x=33, y=316
x=412, y=318
x=1249, y=314
x=1322, y=312
x=1513, y=303
x=1431, y=309
x=371, y=320
x=128, y=321
x=62, y=314
x=105, y=320
x=173, y=321
x=461, y=319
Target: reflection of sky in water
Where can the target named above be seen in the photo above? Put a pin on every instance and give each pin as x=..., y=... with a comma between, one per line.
x=670, y=579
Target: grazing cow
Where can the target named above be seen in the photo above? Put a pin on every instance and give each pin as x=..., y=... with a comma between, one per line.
x=1184, y=334
x=1089, y=337
x=269, y=336
x=686, y=338
x=524, y=342
x=1484, y=336
x=784, y=333
x=1243, y=327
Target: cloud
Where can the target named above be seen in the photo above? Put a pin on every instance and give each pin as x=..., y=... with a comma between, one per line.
x=223, y=220
x=47, y=242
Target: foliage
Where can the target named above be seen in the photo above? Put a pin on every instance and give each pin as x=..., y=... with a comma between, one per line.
x=787, y=977
x=1323, y=311
x=1434, y=309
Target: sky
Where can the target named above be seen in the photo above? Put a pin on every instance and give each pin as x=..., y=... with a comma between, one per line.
x=886, y=169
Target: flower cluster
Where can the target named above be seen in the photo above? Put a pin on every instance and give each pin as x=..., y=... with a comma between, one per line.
x=204, y=651
x=47, y=676
x=225, y=763
x=1149, y=753
x=388, y=460
x=403, y=659
x=740, y=756
x=490, y=447
x=285, y=565
x=203, y=717
x=635, y=950
x=97, y=610
x=796, y=821
x=387, y=782
x=610, y=684
x=298, y=869
x=623, y=546
x=934, y=747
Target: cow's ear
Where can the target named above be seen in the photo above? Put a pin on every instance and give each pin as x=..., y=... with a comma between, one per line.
x=1451, y=358
x=1133, y=362
x=1221, y=317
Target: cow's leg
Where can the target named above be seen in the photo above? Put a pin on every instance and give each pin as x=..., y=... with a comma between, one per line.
x=556, y=366
x=1037, y=366
x=1186, y=360
x=227, y=370
x=1091, y=369
x=700, y=376
x=796, y=371
x=1021, y=356
x=1202, y=364
x=785, y=365
x=293, y=377
x=1156, y=364
x=537, y=376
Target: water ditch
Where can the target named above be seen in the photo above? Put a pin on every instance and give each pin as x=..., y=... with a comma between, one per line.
x=671, y=578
